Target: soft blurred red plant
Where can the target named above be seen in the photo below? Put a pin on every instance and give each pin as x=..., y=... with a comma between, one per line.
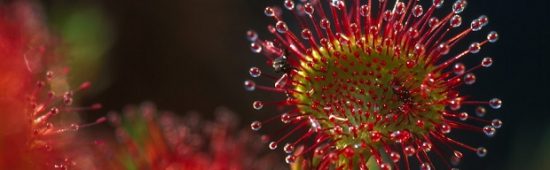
x=150, y=139
x=32, y=99
x=17, y=33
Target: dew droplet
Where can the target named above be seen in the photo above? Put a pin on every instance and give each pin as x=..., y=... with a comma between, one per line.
x=365, y=10
x=339, y=4
x=290, y=159
x=281, y=27
x=409, y=150
x=438, y=3
x=325, y=23
x=489, y=131
x=463, y=116
x=273, y=145
x=487, y=62
x=355, y=29
x=495, y=103
x=481, y=111
x=481, y=152
x=459, y=6
x=306, y=34
x=410, y=63
x=400, y=136
x=285, y=118
x=309, y=9
x=289, y=4
x=433, y=22
x=258, y=105
x=256, y=125
x=338, y=130
x=474, y=48
x=400, y=8
x=492, y=37
x=251, y=35
x=412, y=31
x=455, y=104
x=426, y=146
x=456, y=21
x=445, y=128
x=255, y=72
x=395, y=156
x=385, y=166
x=269, y=12
x=419, y=49
x=443, y=48
x=288, y=148
x=375, y=136
x=456, y=157
x=459, y=68
x=249, y=85
x=387, y=15
x=483, y=20
x=475, y=25
x=256, y=48
x=425, y=166
x=496, y=123
x=417, y=11
x=458, y=154
x=469, y=79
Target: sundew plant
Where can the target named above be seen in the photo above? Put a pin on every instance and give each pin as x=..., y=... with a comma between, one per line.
x=372, y=81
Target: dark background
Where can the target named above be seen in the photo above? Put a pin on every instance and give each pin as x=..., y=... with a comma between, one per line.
x=193, y=55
